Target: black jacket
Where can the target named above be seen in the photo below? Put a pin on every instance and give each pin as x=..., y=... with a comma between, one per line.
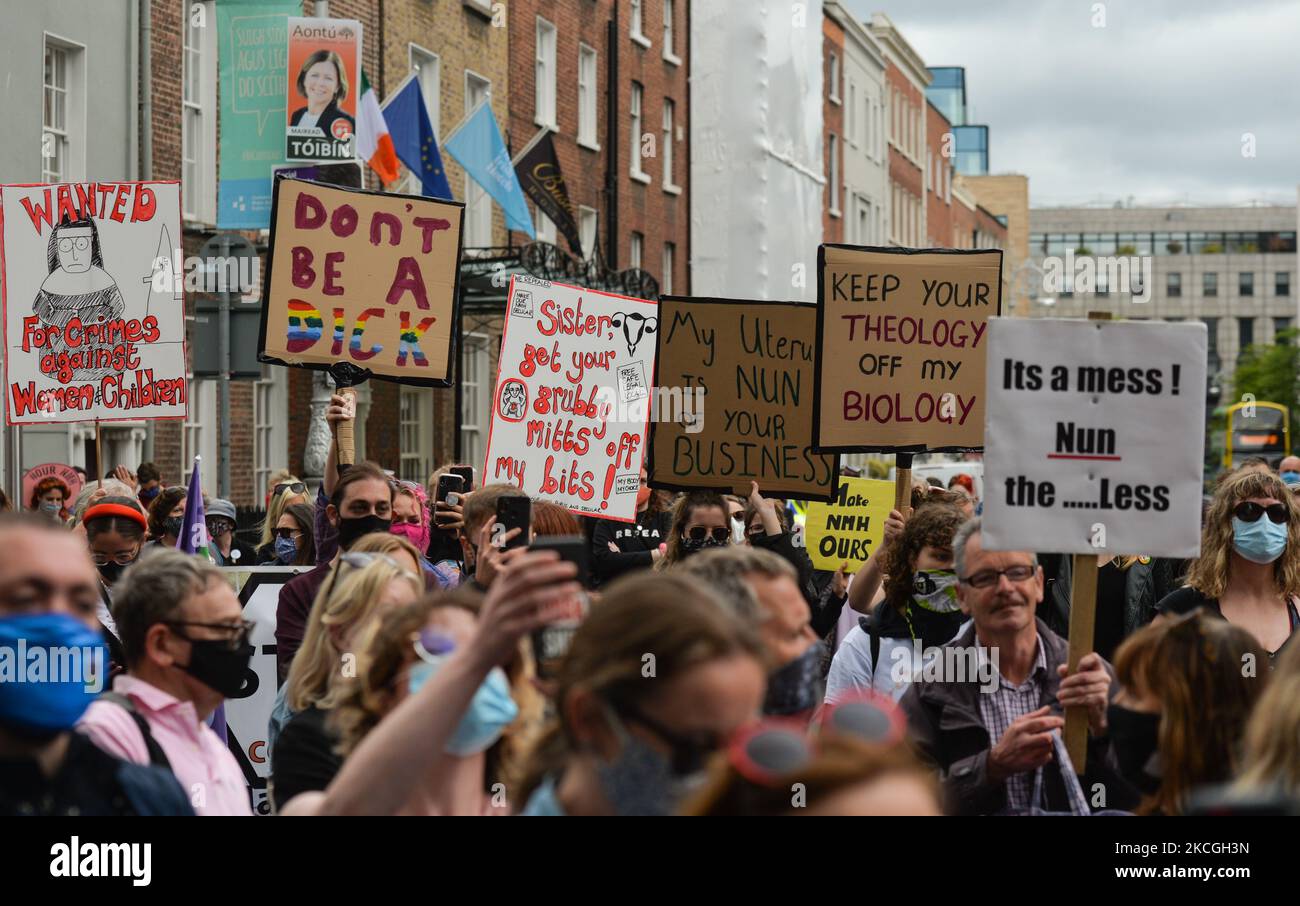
x=1145, y=584
x=946, y=726
x=635, y=542
x=327, y=118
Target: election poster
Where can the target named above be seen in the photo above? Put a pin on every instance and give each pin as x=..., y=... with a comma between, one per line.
x=369, y=278
x=733, y=388
x=1095, y=433
x=900, y=348
x=94, y=319
x=850, y=527
x=253, y=60
x=323, y=84
x=572, y=398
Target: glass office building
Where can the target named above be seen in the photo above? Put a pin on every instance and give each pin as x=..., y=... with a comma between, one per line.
x=947, y=92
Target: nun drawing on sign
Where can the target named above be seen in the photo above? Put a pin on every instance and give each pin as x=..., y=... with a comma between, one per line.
x=78, y=287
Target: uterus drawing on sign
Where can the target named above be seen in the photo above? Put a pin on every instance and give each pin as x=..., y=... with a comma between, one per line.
x=78, y=287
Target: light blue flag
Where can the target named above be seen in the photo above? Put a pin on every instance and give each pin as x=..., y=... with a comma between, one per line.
x=477, y=146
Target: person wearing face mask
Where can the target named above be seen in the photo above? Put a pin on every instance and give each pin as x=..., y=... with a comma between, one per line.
x=48, y=596
x=620, y=745
x=1289, y=470
x=767, y=526
x=226, y=549
x=361, y=502
x=187, y=650
x=421, y=695
x=293, y=542
x=699, y=522
x=115, y=530
x=762, y=591
x=150, y=483
x=1248, y=572
x=1180, y=717
x=411, y=519
x=50, y=499
x=167, y=517
x=920, y=607
x=619, y=547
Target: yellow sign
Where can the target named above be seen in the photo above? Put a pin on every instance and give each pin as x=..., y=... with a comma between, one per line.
x=848, y=529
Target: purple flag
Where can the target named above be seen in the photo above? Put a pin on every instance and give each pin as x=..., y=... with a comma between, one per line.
x=194, y=532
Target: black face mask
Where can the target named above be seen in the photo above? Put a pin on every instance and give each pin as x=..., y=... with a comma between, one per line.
x=695, y=545
x=218, y=666
x=352, y=528
x=172, y=525
x=110, y=572
x=1135, y=736
x=797, y=687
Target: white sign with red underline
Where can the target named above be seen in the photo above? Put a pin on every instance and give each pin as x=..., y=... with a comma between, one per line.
x=1094, y=434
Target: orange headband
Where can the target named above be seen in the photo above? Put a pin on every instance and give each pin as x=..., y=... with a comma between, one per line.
x=100, y=510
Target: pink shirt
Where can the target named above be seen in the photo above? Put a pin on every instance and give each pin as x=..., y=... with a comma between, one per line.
x=201, y=762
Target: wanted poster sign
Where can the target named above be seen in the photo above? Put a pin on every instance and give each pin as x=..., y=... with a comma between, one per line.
x=1093, y=436
x=94, y=312
x=900, y=348
x=572, y=399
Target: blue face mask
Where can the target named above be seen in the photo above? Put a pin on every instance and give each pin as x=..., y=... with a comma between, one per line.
x=43, y=690
x=1261, y=541
x=1290, y=477
x=285, y=550
x=490, y=712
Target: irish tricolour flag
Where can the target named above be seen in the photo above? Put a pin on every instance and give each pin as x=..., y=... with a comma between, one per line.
x=373, y=141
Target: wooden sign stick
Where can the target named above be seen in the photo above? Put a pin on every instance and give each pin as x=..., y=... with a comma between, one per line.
x=903, y=484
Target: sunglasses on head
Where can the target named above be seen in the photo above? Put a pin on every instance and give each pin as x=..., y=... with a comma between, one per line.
x=699, y=533
x=771, y=749
x=1249, y=511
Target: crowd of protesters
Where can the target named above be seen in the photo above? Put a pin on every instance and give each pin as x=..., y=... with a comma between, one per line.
x=709, y=670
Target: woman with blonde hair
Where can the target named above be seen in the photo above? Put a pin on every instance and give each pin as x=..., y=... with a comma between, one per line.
x=371, y=584
x=284, y=494
x=1189, y=684
x=1248, y=572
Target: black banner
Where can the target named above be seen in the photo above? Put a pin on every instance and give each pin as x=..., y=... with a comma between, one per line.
x=539, y=174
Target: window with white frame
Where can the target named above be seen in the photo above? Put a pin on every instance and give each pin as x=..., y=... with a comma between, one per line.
x=544, y=226
x=63, y=99
x=833, y=184
x=865, y=122
x=670, y=44
x=270, y=417
x=478, y=210
x=666, y=151
x=637, y=29
x=634, y=248
x=834, y=77
x=863, y=222
x=587, y=222
x=427, y=67
x=545, y=78
x=850, y=111
x=198, y=112
x=475, y=393
x=197, y=439
x=587, y=95
x=415, y=433
x=669, y=261
x=635, y=110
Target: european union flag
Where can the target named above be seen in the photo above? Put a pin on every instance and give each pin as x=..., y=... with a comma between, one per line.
x=414, y=141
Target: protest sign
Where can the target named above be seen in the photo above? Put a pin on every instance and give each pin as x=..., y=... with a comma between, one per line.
x=94, y=321
x=900, y=348
x=572, y=397
x=733, y=382
x=249, y=713
x=36, y=474
x=323, y=83
x=253, y=61
x=381, y=269
x=1094, y=436
x=850, y=527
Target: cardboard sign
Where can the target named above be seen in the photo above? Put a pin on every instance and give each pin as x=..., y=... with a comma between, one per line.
x=733, y=385
x=381, y=270
x=93, y=301
x=900, y=348
x=1094, y=436
x=323, y=84
x=36, y=474
x=572, y=397
x=851, y=527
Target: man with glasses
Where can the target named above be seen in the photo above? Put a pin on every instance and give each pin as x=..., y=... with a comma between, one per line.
x=187, y=650
x=995, y=735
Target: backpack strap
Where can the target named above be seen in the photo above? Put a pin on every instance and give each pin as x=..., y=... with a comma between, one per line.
x=157, y=756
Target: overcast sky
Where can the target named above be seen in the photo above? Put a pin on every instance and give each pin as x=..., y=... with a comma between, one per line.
x=1153, y=105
